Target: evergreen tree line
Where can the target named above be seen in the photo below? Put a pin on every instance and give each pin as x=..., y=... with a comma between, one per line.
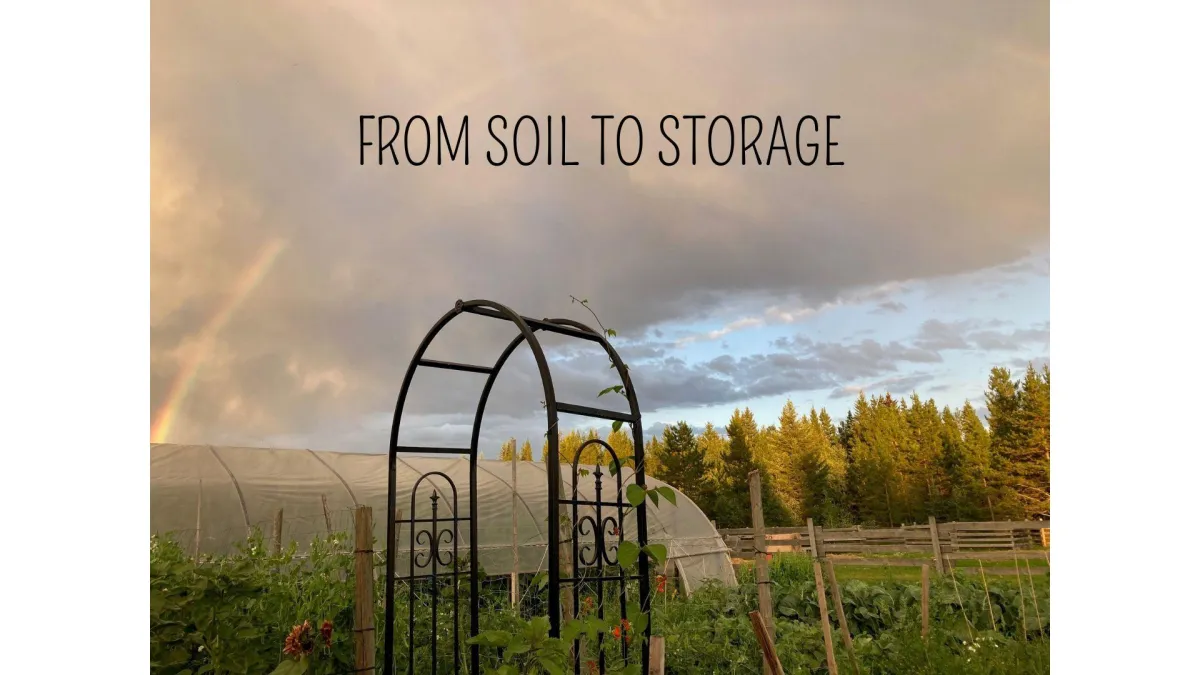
x=890, y=461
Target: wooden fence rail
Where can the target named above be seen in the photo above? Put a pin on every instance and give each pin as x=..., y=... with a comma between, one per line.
x=943, y=543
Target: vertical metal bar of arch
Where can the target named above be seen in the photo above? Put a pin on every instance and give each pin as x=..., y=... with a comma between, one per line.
x=639, y=476
x=390, y=583
x=527, y=335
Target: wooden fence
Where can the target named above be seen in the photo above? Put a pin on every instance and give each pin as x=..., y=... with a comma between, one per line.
x=943, y=543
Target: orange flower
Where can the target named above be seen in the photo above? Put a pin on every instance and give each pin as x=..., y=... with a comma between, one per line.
x=327, y=632
x=625, y=628
x=593, y=668
x=299, y=642
x=662, y=583
x=588, y=603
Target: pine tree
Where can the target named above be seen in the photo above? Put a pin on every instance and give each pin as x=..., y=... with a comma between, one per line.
x=977, y=459
x=788, y=443
x=1003, y=405
x=1031, y=461
x=654, y=450
x=714, y=447
x=621, y=442
x=733, y=503
x=819, y=498
x=526, y=451
x=683, y=465
x=507, y=450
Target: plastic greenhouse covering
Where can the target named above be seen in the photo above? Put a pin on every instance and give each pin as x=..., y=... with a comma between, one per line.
x=210, y=497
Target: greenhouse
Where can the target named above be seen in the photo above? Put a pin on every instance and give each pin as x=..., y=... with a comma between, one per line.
x=210, y=497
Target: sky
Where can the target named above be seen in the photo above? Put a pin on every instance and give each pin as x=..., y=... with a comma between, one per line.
x=290, y=286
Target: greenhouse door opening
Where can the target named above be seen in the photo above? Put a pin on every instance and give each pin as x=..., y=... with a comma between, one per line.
x=586, y=587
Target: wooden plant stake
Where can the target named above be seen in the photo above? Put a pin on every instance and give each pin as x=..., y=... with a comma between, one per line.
x=762, y=575
x=328, y=520
x=1033, y=595
x=830, y=659
x=986, y=594
x=843, y=625
x=958, y=596
x=813, y=546
x=658, y=655
x=278, y=532
x=199, y=499
x=924, y=601
x=935, y=540
x=515, y=579
x=1021, y=586
x=770, y=658
x=364, y=592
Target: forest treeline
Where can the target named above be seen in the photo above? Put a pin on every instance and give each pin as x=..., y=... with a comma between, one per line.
x=890, y=461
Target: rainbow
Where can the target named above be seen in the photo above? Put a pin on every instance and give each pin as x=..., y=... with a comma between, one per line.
x=168, y=413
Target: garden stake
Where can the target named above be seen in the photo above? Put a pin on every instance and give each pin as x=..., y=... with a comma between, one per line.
x=279, y=532
x=924, y=601
x=328, y=520
x=515, y=579
x=770, y=657
x=364, y=591
x=986, y=594
x=970, y=627
x=1021, y=586
x=762, y=576
x=658, y=655
x=843, y=625
x=825, y=629
x=199, y=497
x=1033, y=595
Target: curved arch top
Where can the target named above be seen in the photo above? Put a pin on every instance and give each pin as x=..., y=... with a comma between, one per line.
x=526, y=328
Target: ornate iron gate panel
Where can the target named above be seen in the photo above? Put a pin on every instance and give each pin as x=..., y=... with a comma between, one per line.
x=592, y=560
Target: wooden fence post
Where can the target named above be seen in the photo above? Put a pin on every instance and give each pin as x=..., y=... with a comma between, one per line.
x=514, y=581
x=937, y=544
x=813, y=545
x=762, y=573
x=830, y=658
x=278, y=534
x=364, y=592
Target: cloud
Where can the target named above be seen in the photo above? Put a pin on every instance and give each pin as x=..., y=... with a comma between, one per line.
x=938, y=335
x=890, y=306
x=969, y=334
x=902, y=385
x=944, y=133
x=1019, y=365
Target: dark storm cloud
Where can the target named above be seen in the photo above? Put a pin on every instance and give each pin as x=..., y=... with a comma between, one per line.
x=944, y=135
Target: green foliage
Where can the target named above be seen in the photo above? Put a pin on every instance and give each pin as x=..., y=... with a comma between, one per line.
x=232, y=614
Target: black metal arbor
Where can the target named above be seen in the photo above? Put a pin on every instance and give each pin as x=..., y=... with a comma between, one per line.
x=438, y=537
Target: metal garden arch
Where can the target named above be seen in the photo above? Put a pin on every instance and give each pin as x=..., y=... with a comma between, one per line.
x=440, y=547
